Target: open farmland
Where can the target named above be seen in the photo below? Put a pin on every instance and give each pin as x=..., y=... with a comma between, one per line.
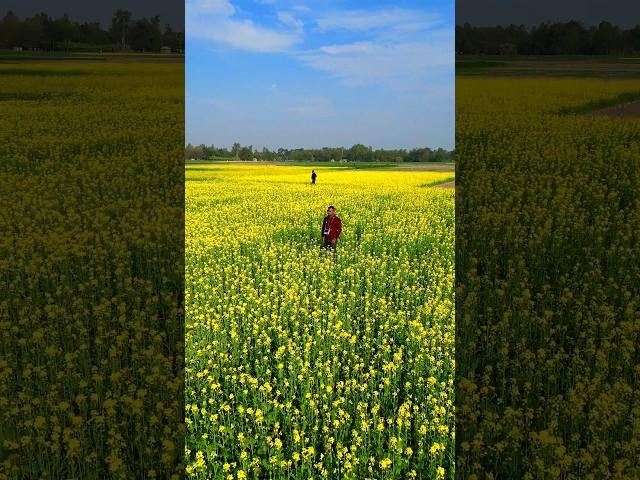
x=303, y=365
x=547, y=279
x=91, y=235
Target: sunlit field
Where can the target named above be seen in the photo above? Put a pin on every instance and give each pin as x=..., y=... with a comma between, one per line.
x=301, y=364
x=547, y=277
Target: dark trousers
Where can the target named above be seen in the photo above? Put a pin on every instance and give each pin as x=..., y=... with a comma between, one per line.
x=328, y=245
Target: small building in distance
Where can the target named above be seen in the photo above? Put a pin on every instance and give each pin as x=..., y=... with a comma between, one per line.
x=17, y=49
x=165, y=49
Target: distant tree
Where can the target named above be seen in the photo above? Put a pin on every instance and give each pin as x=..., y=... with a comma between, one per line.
x=360, y=153
x=283, y=154
x=10, y=30
x=170, y=38
x=93, y=34
x=235, y=150
x=413, y=155
x=31, y=33
x=441, y=155
x=246, y=153
x=145, y=35
x=43, y=32
x=120, y=23
x=607, y=39
x=559, y=38
x=632, y=38
x=357, y=153
x=188, y=151
x=266, y=155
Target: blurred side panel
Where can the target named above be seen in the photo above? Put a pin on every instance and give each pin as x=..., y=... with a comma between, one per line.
x=91, y=244
x=547, y=250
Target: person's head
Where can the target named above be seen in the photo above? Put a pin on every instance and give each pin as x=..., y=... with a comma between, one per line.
x=331, y=211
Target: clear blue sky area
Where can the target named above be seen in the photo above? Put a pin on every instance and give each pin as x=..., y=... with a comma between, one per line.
x=297, y=73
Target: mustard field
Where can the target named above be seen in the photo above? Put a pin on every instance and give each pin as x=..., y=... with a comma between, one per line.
x=301, y=364
x=547, y=277
x=91, y=320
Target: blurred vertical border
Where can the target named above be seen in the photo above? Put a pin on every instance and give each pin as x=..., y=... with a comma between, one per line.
x=91, y=254
x=547, y=246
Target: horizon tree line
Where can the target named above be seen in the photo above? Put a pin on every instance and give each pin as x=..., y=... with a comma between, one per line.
x=558, y=38
x=45, y=33
x=356, y=153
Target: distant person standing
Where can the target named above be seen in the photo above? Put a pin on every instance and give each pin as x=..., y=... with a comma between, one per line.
x=331, y=229
x=313, y=177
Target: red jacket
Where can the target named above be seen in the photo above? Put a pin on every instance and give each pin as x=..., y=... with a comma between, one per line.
x=335, y=228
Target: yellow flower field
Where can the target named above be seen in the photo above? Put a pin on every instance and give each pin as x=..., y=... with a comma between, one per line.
x=304, y=365
x=547, y=277
x=91, y=321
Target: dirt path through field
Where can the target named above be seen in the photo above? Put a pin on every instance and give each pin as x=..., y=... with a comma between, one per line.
x=624, y=110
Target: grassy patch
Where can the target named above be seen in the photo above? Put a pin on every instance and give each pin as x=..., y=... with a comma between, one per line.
x=626, y=97
x=41, y=72
x=476, y=65
x=438, y=182
x=32, y=97
x=197, y=169
x=329, y=165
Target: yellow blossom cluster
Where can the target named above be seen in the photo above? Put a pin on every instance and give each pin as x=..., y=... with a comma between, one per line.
x=91, y=336
x=548, y=276
x=304, y=364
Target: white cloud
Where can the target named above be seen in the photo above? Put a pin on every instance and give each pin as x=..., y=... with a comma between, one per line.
x=397, y=48
x=244, y=35
x=364, y=20
x=395, y=65
x=301, y=8
x=287, y=19
x=216, y=20
x=215, y=7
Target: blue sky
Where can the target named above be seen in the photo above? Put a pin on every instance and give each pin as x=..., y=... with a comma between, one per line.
x=297, y=73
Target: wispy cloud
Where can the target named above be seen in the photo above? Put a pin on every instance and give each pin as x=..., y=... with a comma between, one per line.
x=210, y=7
x=310, y=107
x=391, y=64
x=394, y=47
x=217, y=21
x=391, y=18
x=286, y=18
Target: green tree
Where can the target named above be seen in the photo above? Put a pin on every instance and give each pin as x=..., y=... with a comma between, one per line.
x=120, y=23
x=235, y=150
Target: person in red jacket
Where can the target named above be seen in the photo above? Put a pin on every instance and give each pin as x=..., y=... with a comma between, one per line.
x=331, y=228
